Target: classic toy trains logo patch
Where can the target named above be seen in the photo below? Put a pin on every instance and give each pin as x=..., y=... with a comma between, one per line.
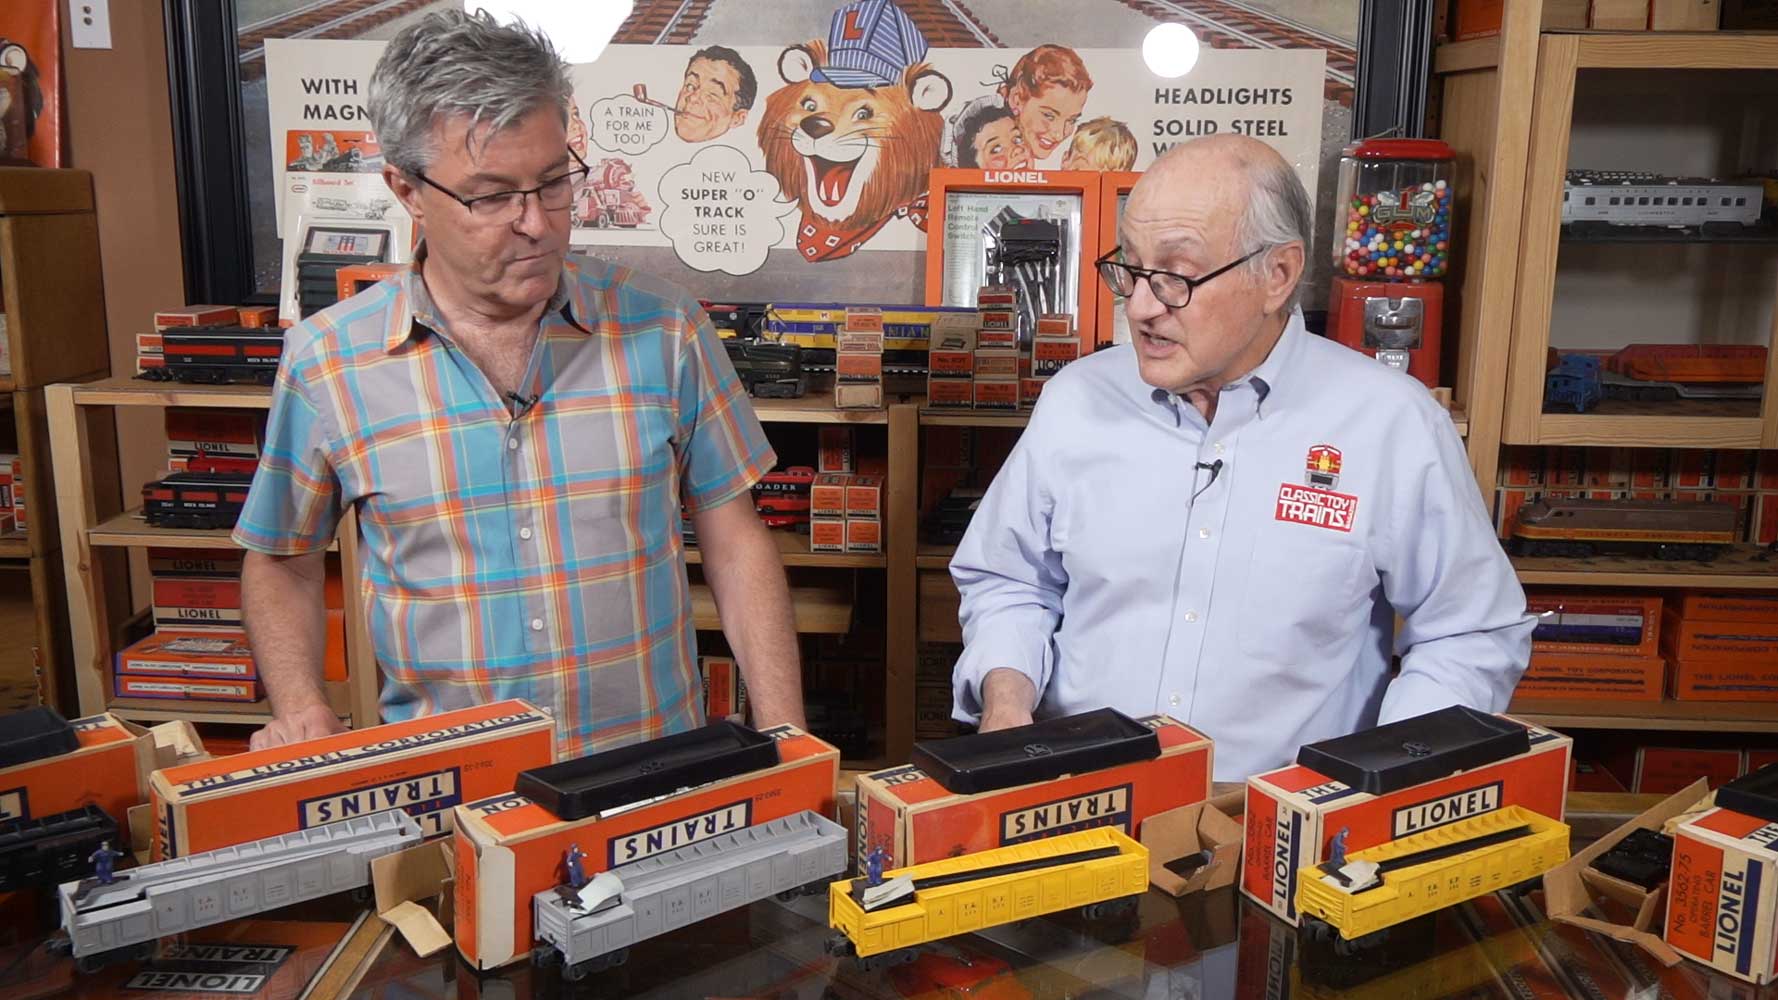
x=1105, y=807
x=1446, y=809
x=679, y=833
x=1321, y=508
x=1317, y=504
x=1324, y=466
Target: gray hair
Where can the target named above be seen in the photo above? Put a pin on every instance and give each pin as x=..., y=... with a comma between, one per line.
x=451, y=63
x=1278, y=212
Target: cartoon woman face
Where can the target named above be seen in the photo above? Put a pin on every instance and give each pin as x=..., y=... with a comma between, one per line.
x=1046, y=119
x=999, y=146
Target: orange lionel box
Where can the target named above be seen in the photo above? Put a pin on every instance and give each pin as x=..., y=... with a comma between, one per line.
x=1613, y=625
x=1733, y=606
x=424, y=766
x=1686, y=639
x=1294, y=812
x=1591, y=675
x=1722, y=901
x=109, y=769
x=916, y=819
x=509, y=848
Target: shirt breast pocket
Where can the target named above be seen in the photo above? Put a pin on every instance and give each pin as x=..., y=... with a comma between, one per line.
x=1304, y=594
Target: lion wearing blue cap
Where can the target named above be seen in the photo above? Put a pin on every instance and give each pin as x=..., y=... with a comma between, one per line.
x=856, y=127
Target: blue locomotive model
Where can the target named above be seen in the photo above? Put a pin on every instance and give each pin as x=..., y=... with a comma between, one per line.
x=1575, y=382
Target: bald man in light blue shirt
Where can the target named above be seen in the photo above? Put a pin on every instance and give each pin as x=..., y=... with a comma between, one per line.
x=1221, y=520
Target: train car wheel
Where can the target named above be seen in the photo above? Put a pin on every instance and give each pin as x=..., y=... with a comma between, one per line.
x=839, y=946
x=86, y=965
x=617, y=958
x=576, y=972
x=141, y=952
x=545, y=956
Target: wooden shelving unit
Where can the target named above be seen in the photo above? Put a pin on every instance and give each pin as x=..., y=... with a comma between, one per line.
x=97, y=532
x=1688, y=716
x=54, y=311
x=1507, y=104
x=793, y=548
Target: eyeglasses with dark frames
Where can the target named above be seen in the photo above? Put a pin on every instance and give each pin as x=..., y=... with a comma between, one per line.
x=1172, y=290
x=553, y=194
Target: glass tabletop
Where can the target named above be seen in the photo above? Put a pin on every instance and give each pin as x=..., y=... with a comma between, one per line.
x=1202, y=947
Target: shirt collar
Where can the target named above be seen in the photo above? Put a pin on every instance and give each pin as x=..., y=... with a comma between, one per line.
x=1265, y=378
x=414, y=311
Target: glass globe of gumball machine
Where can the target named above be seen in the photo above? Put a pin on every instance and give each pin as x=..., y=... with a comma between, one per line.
x=1391, y=251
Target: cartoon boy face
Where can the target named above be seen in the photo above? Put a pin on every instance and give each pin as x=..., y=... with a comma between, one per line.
x=999, y=146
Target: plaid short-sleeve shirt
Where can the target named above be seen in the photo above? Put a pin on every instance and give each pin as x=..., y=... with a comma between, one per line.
x=512, y=550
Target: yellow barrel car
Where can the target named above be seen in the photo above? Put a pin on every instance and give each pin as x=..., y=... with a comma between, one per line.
x=1426, y=872
x=947, y=899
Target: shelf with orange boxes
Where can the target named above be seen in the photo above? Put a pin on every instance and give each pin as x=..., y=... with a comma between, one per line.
x=98, y=531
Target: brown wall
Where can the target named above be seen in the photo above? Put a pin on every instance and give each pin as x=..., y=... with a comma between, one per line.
x=120, y=128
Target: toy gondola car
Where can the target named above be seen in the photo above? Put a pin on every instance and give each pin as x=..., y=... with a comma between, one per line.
x=40, y=852
x=124, y=917
x=196, y=499
x=33, y=734
x=1753, y=794
x=1088, y=741
x=1666, y=529
x=1088, y=869
x=587, y=786
x=1416, y=750
x=586, y=930
x=1350, y=906
x=218, y=355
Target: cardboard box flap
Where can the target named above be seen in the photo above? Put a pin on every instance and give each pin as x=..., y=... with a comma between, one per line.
x=1173, y=834
x=400, y=881
x=1567, y=894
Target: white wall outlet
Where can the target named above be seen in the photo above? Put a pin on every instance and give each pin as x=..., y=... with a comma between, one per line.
x=89, y=23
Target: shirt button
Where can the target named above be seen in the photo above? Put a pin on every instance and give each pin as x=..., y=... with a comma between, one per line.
x=536, y=624
x=1203, y=532
x=525, y=533
x=1191, y=616
x=1218, y=447
x=512, y=444
x=1173, y=699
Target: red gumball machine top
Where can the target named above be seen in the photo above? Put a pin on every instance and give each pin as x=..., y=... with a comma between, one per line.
x=1395, y=201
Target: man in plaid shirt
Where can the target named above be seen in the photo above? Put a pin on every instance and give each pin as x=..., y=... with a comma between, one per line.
x=517, y=432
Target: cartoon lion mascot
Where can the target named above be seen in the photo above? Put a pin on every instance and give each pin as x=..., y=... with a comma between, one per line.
x=855, y=128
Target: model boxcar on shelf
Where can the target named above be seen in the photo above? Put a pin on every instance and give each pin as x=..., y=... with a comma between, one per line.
x=124, y=917
x=1345, y=902
x=1666, y=529
x=218, y=355
x=681, y=887
x=1088, y=869
x=33, y=734
x=1707, y=364
x=196, y=499
x=46, y=851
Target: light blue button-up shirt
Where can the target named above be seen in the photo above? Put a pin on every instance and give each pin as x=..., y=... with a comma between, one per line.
x=1110, y=564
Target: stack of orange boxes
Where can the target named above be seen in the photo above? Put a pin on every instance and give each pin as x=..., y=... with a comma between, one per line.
x=1724, y=646
x=1599, y=646
x=725, y=694
x=846, y=513
x=996, y=368
x=1056, y=344
x=148, y=345
x=858, y=362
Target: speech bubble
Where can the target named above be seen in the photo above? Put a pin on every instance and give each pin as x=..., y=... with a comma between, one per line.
x=623, y=124
x=722, y=215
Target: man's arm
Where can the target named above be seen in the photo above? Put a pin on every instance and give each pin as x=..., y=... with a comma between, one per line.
x=283, y=608
x=1011, y=581
x=746, y=576
x=1465, y=636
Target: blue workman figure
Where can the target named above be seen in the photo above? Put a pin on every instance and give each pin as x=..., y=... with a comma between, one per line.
x=873, y=866
x=576, y=867
x=102, y=860
x=1337, y=851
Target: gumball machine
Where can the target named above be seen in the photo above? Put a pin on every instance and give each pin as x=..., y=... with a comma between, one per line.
x=1391, y=251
